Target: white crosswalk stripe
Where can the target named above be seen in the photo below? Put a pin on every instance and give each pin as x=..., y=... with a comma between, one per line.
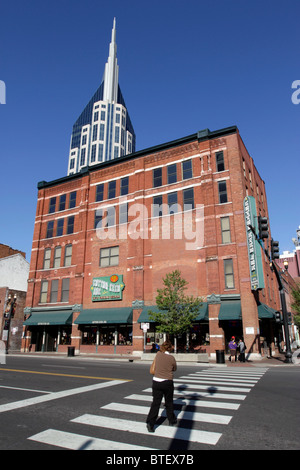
x=209, y=389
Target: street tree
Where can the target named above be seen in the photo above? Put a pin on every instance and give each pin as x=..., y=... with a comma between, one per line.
x=296, y=304
x=177, y=310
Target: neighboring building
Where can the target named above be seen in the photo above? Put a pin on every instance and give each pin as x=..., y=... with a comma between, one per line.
x=14, y=270
x=105, y=238
x=104, y=130
x=291, y=260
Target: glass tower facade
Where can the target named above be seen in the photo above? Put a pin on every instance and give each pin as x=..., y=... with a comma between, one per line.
x=103, y=130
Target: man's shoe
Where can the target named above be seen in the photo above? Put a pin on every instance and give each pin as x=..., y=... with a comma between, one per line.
x=150, y=427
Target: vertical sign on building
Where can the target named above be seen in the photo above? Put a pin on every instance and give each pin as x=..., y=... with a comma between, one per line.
x=254, y=248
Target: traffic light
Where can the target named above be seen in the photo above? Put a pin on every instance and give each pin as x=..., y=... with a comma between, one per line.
x=274, y=249
x=278, y=317
x=263, y=227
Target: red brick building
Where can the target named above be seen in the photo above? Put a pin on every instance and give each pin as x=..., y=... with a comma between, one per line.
x=105, y=238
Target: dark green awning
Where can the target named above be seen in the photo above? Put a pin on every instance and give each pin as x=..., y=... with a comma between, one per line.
x=97, y=316
x=264, y=311
x=144, y=317
x=50, y=317
x=230, y=310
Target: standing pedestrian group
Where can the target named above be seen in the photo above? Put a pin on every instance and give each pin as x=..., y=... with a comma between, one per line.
x=234, y=347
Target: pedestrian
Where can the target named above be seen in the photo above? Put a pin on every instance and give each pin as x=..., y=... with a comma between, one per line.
x=163, y=386
x=232, y=348
x=242, y=349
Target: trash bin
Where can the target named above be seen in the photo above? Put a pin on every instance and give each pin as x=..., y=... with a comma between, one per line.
x=220, y=356
x=71, y=351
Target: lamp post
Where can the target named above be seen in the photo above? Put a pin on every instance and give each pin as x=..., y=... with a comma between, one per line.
x=9, y=309
x=288, y=352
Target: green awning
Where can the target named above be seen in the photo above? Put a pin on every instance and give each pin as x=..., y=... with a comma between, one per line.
x=264, y=311
x=97, y=316
x=50, y=317
x=230, y=310
x=144, y=317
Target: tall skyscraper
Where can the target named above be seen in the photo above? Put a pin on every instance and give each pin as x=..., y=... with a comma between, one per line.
x=103, y=130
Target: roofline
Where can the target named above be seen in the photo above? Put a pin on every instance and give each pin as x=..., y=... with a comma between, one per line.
x=205, y=134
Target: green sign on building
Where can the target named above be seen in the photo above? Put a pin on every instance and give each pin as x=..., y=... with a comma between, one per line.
x=254, y=248
x=107, y=288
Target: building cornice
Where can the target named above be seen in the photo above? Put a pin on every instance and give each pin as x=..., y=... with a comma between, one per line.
x=200, y=136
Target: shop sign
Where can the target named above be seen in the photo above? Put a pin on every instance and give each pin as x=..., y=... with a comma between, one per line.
x=254, y=248
x=107, y=288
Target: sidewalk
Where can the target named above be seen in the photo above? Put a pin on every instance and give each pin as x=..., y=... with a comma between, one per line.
x=274, y=361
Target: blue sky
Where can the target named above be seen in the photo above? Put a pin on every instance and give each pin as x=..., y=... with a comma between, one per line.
x=185, y=65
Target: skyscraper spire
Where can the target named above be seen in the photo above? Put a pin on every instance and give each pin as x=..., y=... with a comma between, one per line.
x=111, y=72
x=103, y=130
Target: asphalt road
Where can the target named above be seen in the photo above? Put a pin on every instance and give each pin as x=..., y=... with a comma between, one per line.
x=53, y=403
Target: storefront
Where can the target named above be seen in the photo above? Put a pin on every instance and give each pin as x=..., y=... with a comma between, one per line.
x=195, y=340
x=102, y=327
x=48, y=329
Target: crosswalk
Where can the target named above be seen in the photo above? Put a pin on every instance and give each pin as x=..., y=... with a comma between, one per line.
x=204, y=404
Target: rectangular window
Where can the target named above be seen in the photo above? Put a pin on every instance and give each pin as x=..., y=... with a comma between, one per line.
x=50, y=226
x=117, y=134
x=187, y=170
x=228, y=271
x=102, y=115
x=109, y=256
x=57, y=257
x=116, y=152
x=44, y=292
x=95, y=132
x=188, y=199
x=47, y=256
x=111, y=189
x=68, y=255
x=100, y=153
x=60, y=227
x=124, y=186
x=172, y=173
x=72, y=200
x=52, y=205
x=82, y=157
x=157, y=177
x=222, y=192
x=93, y=153
x=98, y=218
x=220, y=161
x=123, y=213
x=157, y=209
x=225, y=230
x=54, y=291
x=83, y=142
x=96, y=116
x=70, y=226
x=99, y=192
x=65, y=287
x=102, y=128
x=111, y=216
x=172, y=203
